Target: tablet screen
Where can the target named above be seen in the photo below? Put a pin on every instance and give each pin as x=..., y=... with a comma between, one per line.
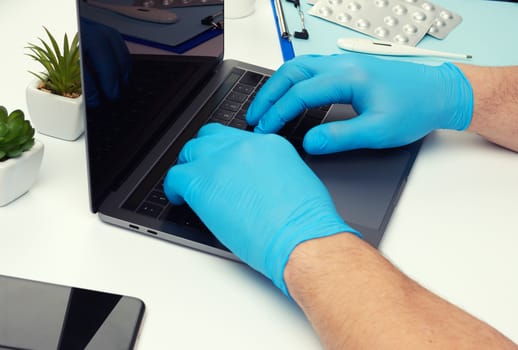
x=36, y=315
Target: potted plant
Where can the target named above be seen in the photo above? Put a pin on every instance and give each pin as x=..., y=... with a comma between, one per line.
x=20, y=155
x=54, y=97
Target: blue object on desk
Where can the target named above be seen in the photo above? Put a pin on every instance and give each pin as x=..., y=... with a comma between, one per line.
x=487, y=31
x=286, y=45
x=187, y=33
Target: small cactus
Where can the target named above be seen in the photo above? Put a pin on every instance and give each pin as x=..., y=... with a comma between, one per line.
x=16, y=134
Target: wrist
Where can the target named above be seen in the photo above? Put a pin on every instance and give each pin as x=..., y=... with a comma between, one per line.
x=310, y=221
x=495, y=95
x=312, y=262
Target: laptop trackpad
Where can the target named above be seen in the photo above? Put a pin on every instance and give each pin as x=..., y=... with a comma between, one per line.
x=364, y=183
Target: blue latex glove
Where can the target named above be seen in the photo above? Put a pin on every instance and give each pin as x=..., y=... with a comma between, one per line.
x=397, y=102
x=255, y=194
x=106, y=62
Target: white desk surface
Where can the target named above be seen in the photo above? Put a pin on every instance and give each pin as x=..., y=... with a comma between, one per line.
x=454, y=230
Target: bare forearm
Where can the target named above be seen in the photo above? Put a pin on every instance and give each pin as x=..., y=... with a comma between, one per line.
x=495, y=110
x=356, y=299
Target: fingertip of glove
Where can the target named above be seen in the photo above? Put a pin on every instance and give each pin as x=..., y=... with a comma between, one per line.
x=249, y=117
x=315, y=142
x=168, y=188
x=175, y=199
x=264, y=127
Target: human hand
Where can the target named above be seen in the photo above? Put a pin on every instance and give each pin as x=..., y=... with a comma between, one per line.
x=106, y=65
x=255, y=194
x=397, y=102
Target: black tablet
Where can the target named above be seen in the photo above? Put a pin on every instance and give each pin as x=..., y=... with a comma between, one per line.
x=43, y=316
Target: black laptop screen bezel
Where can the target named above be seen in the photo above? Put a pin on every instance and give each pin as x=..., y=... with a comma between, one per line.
x=105, y=172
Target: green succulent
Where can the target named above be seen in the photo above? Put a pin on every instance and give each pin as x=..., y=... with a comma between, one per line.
x=62, y=74
x=16, y=134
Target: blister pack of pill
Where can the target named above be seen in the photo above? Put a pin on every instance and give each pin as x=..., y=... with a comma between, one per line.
x=444, y=20
x=400, y=21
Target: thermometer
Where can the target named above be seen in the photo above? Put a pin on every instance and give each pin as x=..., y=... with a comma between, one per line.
x=391, y=49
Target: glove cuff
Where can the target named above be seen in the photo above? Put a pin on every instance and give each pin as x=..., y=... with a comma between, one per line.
x=463, y=98
x=290, y=237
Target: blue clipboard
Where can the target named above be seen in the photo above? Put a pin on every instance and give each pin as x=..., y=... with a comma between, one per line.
x=179, y=37
x=286, y=45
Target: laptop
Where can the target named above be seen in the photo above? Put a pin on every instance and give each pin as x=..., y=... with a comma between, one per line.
x=135, y=131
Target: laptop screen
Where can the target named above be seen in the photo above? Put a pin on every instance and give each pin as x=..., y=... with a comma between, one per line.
x=142, y=63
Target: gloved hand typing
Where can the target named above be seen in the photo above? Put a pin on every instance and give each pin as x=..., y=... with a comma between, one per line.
x=255, y=194
x=397, y=102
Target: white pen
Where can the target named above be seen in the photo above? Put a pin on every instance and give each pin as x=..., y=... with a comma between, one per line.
x=391, y=49
x=285, y=34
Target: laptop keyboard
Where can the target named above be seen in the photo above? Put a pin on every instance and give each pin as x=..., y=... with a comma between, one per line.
x=230, y=111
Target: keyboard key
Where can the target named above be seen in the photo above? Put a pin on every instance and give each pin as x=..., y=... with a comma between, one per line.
x=223, y=115
x=230, y=106
x=238, y=71
x=241, y=114
x=237, y=97
x=183, y=215
x=160, y=185
x=247, y=104
x=150, y=209
x=215, y=120
x=251, y=78
x=240, y=124
x=158, y=198
x=243, y=89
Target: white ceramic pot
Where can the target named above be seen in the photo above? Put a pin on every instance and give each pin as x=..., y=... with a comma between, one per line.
x=17, y=175
x=238, y=8
x=55, y=115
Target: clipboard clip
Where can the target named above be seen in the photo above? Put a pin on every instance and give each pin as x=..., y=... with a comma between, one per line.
x=211, y=20
x=303, y=34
